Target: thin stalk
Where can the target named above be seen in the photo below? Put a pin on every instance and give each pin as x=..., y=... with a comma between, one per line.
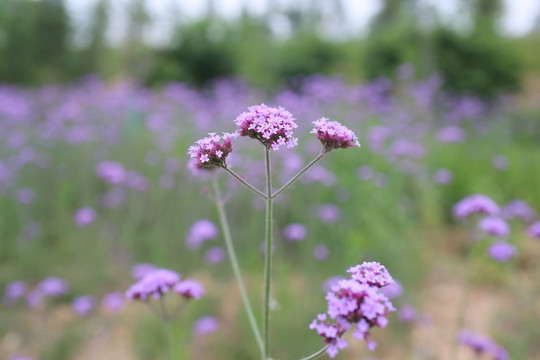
x=167, y=322
x=462, y=315
x=234, y=262
x=300, y=173
x=316, y=355
x=245, y=183
x=268, y=257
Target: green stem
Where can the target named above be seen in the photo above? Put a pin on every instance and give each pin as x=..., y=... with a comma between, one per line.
x=245, y=183
x=236, y=268
x=169, y=339
x=316, y=355
x=462, y=315
x=300, y=173
x=268, y=257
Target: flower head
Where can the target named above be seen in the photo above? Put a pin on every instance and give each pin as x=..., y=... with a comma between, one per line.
x=190, y=289
x=83, y=305
x=211, y=151
x=84, y=216
x=355, y=303
x=495, y=226
x=113, y=302
x=155, y=284
x=534, y=230
x=502, y=251
x=205, y=325
x=199, y=232
x=334, y=135
x=52, y=286
x=518, y=209
x=481, y=344
x=273, y=127
x=475, y=204
x=295, y=232
x=14, y=290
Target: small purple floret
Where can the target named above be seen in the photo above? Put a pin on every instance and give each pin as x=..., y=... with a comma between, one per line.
x=475, y=204
x=502, y=251
x=494, y=226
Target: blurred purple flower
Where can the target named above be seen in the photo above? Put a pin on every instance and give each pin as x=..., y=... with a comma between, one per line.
x=329, y=213
x=205, y=325
x=393, y=290
x=85, y=216
x=443, y=176
x=34, y=298
x=320, y=252
x=14, y=291
x=138, y=271
x=494, y=226
x=83, y=305
x=189, y=289
x=295, y=232
x=26, y=196
x=475, y=204
x=113, y=302
x=481, y=344
x=52, y=286
x=534, y=230
x=154, y=284
x=501, y=251
x=404, y=147
x=451, y=134
x=519, y=209
x=111, y=171
x=500, y=162
x=215, y=255
x=365, y=172
x=407, y=314
x=201, y=231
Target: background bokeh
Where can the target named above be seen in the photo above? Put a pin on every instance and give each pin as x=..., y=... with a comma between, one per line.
x=99, y=101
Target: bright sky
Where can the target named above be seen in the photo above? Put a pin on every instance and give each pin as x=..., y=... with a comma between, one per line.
x=518, y=19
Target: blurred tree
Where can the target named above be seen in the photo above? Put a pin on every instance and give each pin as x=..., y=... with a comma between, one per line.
x=484, y=15
x=35, y=42
x=137, y=54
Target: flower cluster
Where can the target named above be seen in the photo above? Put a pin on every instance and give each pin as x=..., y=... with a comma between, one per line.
x=483, y=345
x=534, y=230
x=334, y=135
x=211, y=151
x=271, y=126
x=501, y=251
x=158, y=282
x=200, y=231
x=358, y=302
x=495, y=226
x=475, y=204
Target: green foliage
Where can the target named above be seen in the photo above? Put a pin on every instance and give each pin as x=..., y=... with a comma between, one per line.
x=476, y=64
x=199, y=54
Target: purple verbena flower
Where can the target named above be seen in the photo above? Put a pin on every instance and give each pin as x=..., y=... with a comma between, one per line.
x=199, y=232
x=190, y=289
x=334, y=135
x=295, y=232
x=534, y=230
x=329, y=213
x=501, y=251
x=320, y=252
x=371, y=273
x=273, y=127
x=83, y=305
x=154, y=284
x=355, y=303
x=407, y=314
x=495, y=226
x=215, y=255
x=111, y=171
x=113, y=302
x=52, y=286
x=519, y=209
x=205, y=325
x=500, y=162
x=212, y=151
x=451, y=134
x=34, y=298
x=475, y=204
x=84, y=216
x=393, y=290
x=481, y=344
x=138, y=271
x=443, y=176
x=14, y=291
